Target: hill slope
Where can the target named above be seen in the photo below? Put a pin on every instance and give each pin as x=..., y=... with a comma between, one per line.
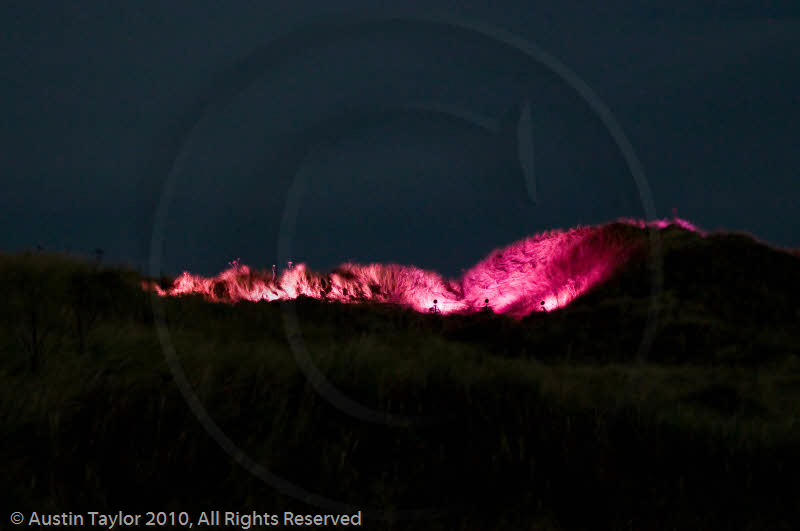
x=549, y=421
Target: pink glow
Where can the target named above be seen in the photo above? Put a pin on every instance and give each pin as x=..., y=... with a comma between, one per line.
x=554, y=266
x=663, y=224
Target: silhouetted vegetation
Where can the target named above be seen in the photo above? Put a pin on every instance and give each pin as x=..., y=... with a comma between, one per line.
x=551, y=422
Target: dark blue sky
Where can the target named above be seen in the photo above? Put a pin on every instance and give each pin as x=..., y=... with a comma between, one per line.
x=98, y=98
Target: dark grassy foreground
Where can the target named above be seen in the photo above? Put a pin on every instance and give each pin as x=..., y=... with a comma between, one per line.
x=550, y=423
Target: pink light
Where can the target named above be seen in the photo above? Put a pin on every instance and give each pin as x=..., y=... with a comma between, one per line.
x=554, y=266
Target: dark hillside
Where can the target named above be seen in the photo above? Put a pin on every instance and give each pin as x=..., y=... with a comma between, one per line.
x=549, y=422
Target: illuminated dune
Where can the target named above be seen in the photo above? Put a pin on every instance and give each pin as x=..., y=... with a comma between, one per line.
x=540, y=273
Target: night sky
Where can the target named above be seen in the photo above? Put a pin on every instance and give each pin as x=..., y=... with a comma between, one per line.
x=405, y=136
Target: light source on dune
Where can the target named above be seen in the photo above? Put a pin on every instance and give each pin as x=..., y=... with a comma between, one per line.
x=541, y=273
